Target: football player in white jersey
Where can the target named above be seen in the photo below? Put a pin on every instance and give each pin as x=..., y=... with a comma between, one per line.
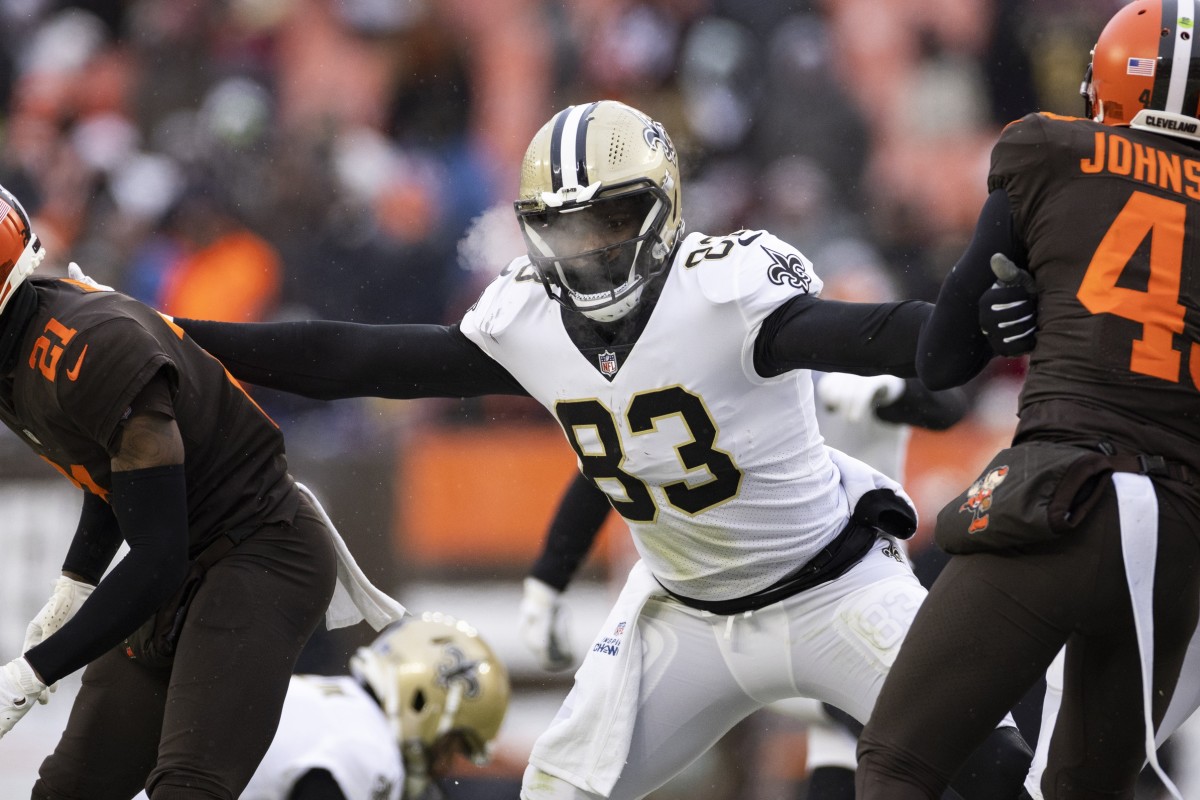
x=426, y=689
x=868, y=417
x=678, y=368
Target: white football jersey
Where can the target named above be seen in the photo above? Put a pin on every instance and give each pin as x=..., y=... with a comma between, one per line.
x=331, y=723
x=720, y=473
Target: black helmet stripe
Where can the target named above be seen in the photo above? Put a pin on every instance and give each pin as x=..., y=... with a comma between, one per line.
x=1177, y=79
x=569, y=138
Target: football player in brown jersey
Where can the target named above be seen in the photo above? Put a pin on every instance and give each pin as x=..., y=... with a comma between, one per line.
x=1091, y=538
x=186, y=669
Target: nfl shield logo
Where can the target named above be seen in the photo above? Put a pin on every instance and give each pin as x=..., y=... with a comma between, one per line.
x=608, y=363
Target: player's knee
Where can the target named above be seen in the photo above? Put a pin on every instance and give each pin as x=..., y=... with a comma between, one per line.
x=538, y=785
x=997, y=768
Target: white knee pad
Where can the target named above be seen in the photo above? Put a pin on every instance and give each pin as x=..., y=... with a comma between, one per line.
x=538, y=785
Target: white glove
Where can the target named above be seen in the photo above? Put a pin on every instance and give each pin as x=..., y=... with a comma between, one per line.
x=66, y=599
x=855, y=396
x=543, y=625
x=75, y=273
x=19, y=687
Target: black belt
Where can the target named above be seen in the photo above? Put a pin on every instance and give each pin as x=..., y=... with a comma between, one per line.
x=846, y=549
x=1155, y=466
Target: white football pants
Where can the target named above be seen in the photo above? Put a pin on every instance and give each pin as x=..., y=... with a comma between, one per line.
x=703, y=673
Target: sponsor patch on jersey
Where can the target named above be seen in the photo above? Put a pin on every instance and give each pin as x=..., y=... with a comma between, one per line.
x=1140, y=66
x=610, y=645
x=979, y=498
x=608, y=362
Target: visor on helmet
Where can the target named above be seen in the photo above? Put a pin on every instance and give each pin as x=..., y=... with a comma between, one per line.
x=595, y=257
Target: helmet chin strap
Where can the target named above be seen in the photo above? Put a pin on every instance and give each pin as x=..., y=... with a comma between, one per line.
x=617, y=310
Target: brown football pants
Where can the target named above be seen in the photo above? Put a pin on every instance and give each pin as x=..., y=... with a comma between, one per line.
x=199, y=728
x=990, y=627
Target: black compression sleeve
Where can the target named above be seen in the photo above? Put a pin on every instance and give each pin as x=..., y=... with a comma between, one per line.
x=924, y=408
x=97, y=538
x=581, y=514
x=833, y=336
x=316, y=784
x=329, y=360
x=952, y=348
x=151, y=506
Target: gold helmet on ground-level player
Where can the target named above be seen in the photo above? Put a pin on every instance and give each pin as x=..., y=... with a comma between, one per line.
x=1145, y=69
x=20, y=250
x=442, y=688
x=599, y=206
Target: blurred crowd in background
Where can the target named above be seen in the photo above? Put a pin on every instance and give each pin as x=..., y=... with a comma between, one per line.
x=260, y=159
x=357, y=159
x=256, y=159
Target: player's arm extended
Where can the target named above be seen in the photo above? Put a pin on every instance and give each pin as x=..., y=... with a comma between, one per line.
x=327, y=360
x=149, y=501
x=952, y=348
x=807, y=332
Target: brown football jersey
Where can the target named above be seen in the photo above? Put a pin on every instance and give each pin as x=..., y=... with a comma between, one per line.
x=1110, y=217
x=87, y=354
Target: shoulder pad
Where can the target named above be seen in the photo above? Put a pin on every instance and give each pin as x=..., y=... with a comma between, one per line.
x=745, y=263
x=515, y=288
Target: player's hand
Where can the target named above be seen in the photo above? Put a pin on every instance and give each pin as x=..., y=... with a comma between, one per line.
x=67, y=597
x=856, y=396
x=19, y=688
x=543, y=625
x=1008, y=310
x=75, y=273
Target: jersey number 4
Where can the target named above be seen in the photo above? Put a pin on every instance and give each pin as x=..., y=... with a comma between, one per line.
x=602, y=458
x=1157, y=308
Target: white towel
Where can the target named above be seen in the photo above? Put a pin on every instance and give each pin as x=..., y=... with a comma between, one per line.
x=1137, y=509
x=588, y=747
x=354, y=598
x=858, y=478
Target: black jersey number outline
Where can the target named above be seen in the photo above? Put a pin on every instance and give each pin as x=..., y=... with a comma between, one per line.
x=715, y=248
x=645, y=411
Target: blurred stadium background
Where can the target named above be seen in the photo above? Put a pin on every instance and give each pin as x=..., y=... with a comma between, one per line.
x=356, y=159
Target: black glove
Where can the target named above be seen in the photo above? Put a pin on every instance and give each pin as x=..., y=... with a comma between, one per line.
x=1008, y=310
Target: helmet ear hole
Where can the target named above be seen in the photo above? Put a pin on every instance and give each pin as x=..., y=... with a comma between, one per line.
x=418, y=701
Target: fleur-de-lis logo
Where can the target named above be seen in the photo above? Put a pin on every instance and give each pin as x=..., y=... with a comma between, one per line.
x=656, y=136
x=455, y=666
x=787, y=269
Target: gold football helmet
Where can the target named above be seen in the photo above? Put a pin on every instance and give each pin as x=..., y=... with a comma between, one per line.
x=20, y=250
x=599, y=206
x=442, y=688
x=1143, y=71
